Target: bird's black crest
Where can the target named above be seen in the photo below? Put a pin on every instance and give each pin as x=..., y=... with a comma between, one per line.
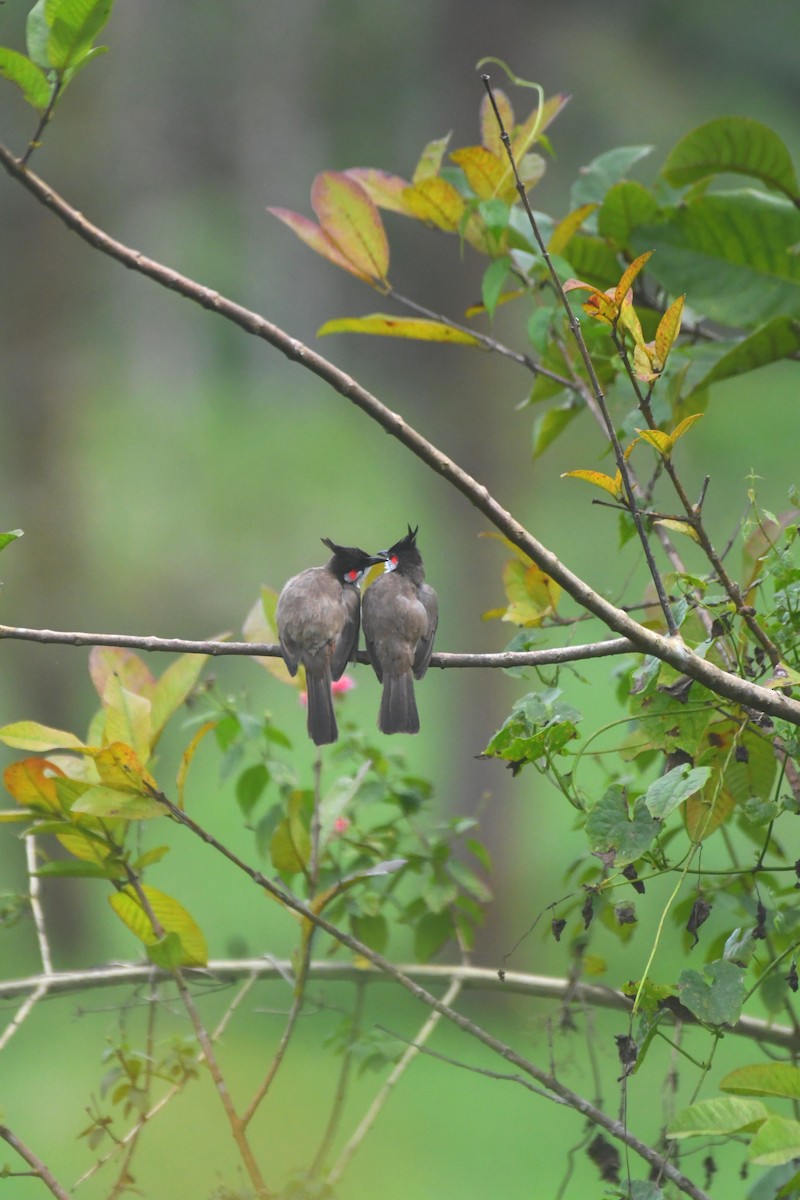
x=409, y=542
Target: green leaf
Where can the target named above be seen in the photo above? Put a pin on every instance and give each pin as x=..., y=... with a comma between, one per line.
x=431, y=933
x=625, y=206
x=5, y=538
x=418, y=328
x=37, y=35
x=169, y=692
x=776, y=339
x=603, y=172
x=75, y=25
x=79, y=870
x=717, y=1117
x=533, y=729
x=666, y=793
x=373, y=931
x=33, y=83
x=492, y=283
x=250, y=785
x=166, y=952
x=732, y=144
x=548, y=427
x=776, y=1142
x=103, y=801
x=612, y=829
x=171, y=916
x=718, y=1002
x=30, y=735
x=764, y=1079
x=730, y=252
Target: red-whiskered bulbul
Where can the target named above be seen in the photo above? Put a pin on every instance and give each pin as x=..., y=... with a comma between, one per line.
x=400, y=613
x=318, y=618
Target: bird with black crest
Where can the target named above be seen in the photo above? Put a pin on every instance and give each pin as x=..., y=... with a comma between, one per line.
x=400, y=612
x=318, y=618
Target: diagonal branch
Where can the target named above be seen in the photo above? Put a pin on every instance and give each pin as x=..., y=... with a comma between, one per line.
x=668, y=649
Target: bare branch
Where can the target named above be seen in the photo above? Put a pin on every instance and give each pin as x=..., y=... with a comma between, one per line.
x=528, y=658
x=37, y=1166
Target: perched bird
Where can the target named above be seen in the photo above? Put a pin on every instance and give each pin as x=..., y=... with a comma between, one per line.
x=400, y=613
x=318, y=618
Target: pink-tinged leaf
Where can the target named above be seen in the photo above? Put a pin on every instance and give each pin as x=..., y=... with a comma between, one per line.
x=384, y=189
x=660, y=441
x=668, y=329
x=601, y=306
x=352, y=222
x=484, y=171
x=630, y=273
x=417, y=328
x=430, y=160
x=309, y=232
x=435, y=201
x=678, y=527
x=490, y=132
x=531, y=168
x=108, y=661
x=685, y=425
x=569, y=226
x=612, y=486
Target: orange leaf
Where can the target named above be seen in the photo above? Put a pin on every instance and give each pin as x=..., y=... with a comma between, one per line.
x=436, y=201
x=352, y=222
x=628, y=277
x=668, y=329
x=31, y=782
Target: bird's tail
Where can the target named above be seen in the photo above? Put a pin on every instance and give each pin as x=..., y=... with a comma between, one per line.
x=398, y=713
x=322, y=727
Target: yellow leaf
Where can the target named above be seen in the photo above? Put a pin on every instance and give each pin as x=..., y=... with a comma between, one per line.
x=622, y=288
x=646, y=365
x=350, y=219
x=120, y=768
x=668, y=329
x=418, y=328
x=188, y=755
x=127, y=718
x=435, y=201
x=484, y=171
x=612, y=486
x=678, y=527
x=534, y=125
x=661, y=441
x=628, y=319
x=171, y=916
x=569, y=226
x=685, y=425
x=532, y=594
x=430, y=160
x=30, y=735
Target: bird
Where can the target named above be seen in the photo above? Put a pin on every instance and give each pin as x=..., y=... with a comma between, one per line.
x=318, y=618
x=400, y=613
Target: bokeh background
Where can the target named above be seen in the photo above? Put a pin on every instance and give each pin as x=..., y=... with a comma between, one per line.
x=164, y=465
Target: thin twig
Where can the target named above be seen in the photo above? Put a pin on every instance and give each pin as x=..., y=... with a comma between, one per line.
x=668, y=649
x=399, y=1070
x=337, y=1107
x=597, y=391
x=37, y=1166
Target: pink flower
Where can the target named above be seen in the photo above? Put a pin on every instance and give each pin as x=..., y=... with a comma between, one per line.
x=341, y=824
x=339, y=687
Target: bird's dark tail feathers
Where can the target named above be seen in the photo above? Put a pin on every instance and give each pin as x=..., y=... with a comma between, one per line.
x=398, y=712
x=322, y=727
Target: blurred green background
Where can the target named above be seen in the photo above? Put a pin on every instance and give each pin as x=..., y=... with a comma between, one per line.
x=164, y=465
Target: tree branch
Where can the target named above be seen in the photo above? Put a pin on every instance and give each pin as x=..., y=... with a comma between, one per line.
x=37, y=1166
x=669, y=649
x=503, y=660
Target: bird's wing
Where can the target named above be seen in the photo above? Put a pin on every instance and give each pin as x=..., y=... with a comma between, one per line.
x=430, y=602
x=347, y=642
